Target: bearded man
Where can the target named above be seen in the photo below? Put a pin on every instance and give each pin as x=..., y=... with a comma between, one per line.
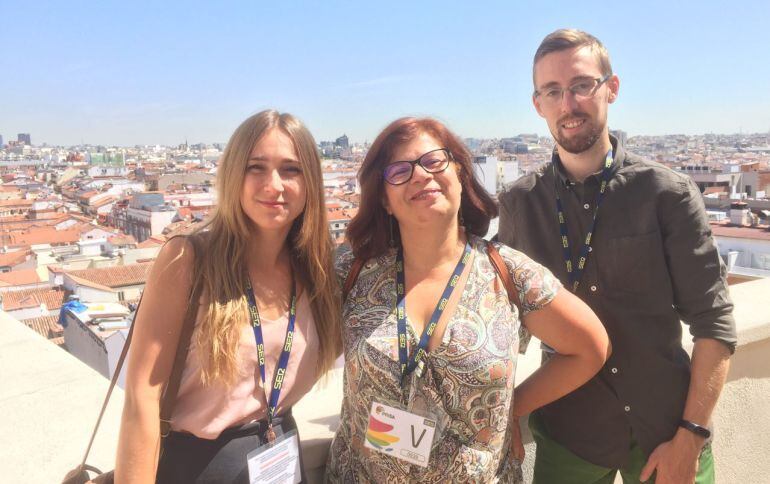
x=631, y=238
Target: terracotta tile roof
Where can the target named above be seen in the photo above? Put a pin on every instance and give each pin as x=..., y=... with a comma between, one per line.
x=48, y=326
x=122, y=240
x=19, y=202
x=761, y=232
x=21, y=222
x=154, y=241
x=13, y=258
x=27, y=298
x=42, y=235
x=103, y=201
x=115, y=277
x=12, y=219
x=92, y=284
x=20, y=278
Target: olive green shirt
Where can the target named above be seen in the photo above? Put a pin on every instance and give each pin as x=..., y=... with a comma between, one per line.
x=653, y=262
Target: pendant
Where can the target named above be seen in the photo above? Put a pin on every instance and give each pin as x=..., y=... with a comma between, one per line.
x=270, y=434
x=420, y=369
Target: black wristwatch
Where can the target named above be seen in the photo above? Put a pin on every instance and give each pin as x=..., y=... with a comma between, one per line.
x=695, y=428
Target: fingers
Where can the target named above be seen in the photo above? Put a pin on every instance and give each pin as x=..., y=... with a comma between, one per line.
x=649, y=468
x=518, y=451
x=517, y=446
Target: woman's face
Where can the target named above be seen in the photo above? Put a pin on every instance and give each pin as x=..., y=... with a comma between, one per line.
x=273, y=194
x=427, y=198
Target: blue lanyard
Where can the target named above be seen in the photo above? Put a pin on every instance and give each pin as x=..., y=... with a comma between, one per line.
x=575, y=274
x=283, y=360
x=408, y=365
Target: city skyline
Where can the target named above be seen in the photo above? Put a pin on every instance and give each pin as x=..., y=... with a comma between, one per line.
x=128, y=75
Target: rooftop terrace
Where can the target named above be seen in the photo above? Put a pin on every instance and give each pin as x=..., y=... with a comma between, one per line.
x=49, y=401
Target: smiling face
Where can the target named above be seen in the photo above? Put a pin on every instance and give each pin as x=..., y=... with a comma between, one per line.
x=273, y=194
x=427, y=198
x=575, y=122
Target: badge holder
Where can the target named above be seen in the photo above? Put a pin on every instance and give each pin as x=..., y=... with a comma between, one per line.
x=405, y=432
x=276, y=462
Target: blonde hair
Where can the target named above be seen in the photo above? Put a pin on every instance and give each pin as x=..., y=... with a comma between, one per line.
x=564, y=39
x=226, y=238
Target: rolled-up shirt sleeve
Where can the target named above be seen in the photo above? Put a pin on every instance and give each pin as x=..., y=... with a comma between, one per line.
x=698, y=275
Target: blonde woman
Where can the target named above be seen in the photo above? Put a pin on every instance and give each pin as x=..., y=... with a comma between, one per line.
x=265, y=265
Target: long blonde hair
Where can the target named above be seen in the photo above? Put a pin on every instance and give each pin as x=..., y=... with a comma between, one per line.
x=226, y=237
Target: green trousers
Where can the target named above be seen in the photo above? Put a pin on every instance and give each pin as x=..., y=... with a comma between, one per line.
x=554, y=464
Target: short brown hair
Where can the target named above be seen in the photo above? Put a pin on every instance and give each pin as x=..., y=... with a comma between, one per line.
x=368, y=232
x=564, y=39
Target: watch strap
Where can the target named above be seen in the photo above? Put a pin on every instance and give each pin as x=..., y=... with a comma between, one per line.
x=698, y=430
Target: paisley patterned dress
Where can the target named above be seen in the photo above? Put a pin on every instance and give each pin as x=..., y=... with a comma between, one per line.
x=467, y=383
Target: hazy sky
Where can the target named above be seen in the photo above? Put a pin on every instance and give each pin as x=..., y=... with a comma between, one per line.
x=161, y=72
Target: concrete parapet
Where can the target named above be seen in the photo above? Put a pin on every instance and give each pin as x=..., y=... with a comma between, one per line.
x=49, y=402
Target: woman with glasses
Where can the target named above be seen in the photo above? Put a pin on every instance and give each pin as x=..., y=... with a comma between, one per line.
x=430, y=334
x=267, y=324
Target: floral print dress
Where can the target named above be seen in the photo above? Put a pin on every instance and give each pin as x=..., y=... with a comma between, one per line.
x=468, y=379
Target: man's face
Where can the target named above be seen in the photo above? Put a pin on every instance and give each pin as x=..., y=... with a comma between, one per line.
x=575, y=121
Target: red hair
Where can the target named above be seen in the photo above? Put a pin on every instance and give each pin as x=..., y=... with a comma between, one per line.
x=369, y=231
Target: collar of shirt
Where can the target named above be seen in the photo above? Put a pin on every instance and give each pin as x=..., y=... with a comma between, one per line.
x=619, y=155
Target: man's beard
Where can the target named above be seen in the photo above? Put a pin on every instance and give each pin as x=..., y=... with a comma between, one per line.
x=580, y=143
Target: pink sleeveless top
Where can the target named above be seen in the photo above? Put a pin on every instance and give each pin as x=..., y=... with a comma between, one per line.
x=205, y=411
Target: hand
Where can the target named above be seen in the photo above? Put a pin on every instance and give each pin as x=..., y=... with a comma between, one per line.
x=517, y=446
x=675, y=461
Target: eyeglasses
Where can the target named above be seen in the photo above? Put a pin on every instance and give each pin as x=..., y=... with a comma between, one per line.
x=400, y=172
x=581, y=90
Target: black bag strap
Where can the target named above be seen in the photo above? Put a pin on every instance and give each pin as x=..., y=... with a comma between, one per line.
x=172, y=387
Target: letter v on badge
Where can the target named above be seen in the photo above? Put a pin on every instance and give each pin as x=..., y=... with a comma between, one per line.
x=400, y=434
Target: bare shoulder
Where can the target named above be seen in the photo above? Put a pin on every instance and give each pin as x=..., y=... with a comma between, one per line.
x=175, y=260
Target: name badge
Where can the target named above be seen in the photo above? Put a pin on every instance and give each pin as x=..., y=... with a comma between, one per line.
x=276, y=462
x=401, y=434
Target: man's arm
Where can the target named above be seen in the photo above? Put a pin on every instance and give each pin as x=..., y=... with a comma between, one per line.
x=677, y=460
x=702, y=301
x=506, y=229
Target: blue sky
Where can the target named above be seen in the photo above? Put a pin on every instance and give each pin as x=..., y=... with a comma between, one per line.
x=161, y=72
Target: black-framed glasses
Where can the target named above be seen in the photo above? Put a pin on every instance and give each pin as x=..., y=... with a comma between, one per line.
x=434, y=161
x=583, y=89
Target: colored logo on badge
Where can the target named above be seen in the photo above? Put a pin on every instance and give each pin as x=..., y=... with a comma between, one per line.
x=377, y=434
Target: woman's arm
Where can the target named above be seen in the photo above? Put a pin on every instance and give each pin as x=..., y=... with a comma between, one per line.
x=155, y=338
x=567, y=325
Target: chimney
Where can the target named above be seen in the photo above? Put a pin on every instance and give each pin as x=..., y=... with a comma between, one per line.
x=739, y=214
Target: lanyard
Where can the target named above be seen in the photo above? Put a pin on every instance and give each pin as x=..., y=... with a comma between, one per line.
x=283, y=361
x=574, y=275
x=408, y=365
